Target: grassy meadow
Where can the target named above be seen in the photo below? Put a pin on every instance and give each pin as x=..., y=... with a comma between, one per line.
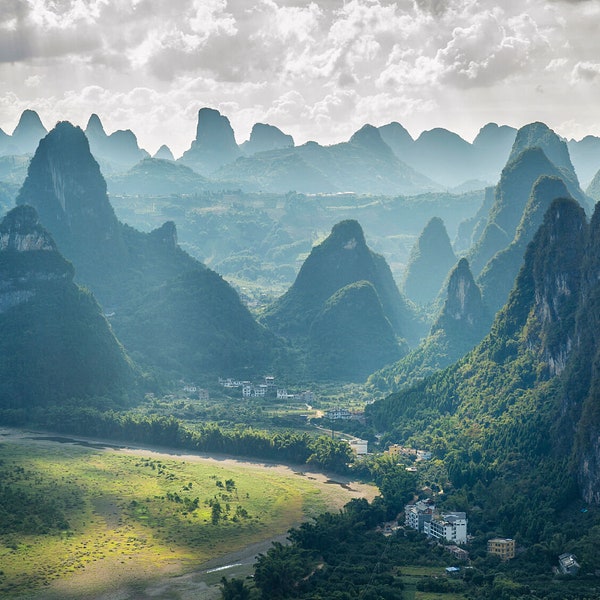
x=79, y=520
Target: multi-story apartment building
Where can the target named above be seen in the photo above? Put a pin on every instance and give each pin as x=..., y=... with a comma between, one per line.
x=417, y=514
x=451, y=527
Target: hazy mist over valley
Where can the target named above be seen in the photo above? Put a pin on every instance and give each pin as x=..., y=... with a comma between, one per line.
x=299, y=300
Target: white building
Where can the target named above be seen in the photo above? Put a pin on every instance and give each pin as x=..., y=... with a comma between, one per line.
x=417, y=514
x=359, y=447
x=335, y=414
x=451, y=527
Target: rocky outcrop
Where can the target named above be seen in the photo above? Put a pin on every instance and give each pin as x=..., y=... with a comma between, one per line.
x=214, y=145
x=20, y=231
x=265, y=137
x=463, y=310
x=120, y=147
x=28, y=256
x=166, y=235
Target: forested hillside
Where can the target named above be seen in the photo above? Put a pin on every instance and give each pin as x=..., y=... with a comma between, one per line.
x=489, y=415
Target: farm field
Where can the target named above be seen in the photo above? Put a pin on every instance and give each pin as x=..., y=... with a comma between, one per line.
x=105, y=522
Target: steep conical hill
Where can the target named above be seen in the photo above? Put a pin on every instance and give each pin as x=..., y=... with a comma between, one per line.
x=511, y=195
x=164, y=153
x=343, y=258
x=430, y=260
x=351, y=337
x=55, y=344
x=397, y=138
x=195, y=324
x=119, y=149
x=214, y=145
x=65, y=186
x=264, y=137
x=539, y=135
x=498, y=276
x=464, y=318
x=461, y=324
x=28, y=132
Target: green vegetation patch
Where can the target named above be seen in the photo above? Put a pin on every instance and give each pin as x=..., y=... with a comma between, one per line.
x=66, y=509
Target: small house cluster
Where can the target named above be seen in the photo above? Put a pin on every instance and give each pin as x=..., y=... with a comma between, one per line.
x=267, y=388
x=201, y=393
x=396, y=450
x=343, y=414
x=450, y=526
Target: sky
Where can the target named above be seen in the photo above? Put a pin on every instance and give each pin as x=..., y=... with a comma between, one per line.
x=316, y=70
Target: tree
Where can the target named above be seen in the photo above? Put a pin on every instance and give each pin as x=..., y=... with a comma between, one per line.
x=234, y=589
x=216, y=512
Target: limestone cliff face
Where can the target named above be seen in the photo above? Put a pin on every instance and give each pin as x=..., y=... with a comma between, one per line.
x=463, y=302
x=66, y=187
x=498, y=277
x=166, y=235
x=581, y=399
x=557, y=278
x=28, y=257
x=21, y=231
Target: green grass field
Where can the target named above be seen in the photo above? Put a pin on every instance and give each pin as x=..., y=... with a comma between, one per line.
x=100, y=519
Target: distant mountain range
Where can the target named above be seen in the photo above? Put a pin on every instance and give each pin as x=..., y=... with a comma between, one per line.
x=154, y=290
x=389, y=163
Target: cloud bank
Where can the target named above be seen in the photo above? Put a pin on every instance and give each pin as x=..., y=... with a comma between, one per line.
x=317, y=70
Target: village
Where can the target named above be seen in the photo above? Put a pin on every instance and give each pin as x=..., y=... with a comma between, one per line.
x=447, y=528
